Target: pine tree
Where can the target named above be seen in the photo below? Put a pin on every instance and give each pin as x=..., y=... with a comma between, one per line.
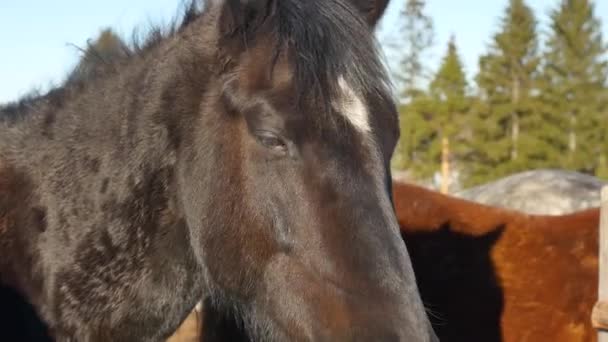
x=448, y=90
x=417, y=136
x=417, y=37
x=574, y=88
x=442, y=112
x=506, y=121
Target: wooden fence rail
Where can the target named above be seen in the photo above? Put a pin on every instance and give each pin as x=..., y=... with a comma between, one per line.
x=599, y=316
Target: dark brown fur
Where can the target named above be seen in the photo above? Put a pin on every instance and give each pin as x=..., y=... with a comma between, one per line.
x=214, y=163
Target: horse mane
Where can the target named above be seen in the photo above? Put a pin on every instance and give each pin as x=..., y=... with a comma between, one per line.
x=104, y=63
x=326, y=41
x=340, y=45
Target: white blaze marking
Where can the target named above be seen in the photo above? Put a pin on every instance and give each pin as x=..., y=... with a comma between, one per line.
x=353, y=108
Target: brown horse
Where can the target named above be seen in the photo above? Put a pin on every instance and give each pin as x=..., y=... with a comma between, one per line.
x=490, y=274
x=235, y=158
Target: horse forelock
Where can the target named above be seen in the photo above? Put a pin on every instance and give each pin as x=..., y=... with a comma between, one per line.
x=335, y=67
x=334, y=55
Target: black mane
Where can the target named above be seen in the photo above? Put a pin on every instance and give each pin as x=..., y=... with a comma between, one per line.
x=104, y=64
x=326, y=40
x=329, y=40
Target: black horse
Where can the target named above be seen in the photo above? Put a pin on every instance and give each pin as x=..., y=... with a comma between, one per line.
x=242, y=158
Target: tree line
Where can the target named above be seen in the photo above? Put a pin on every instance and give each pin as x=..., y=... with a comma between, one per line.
x=530, y=106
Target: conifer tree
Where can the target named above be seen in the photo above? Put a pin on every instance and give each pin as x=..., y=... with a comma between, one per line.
x=506, y=121
x=416, y=38
x=443, y=112
x=418, y=34
x=574, y=85
x=418, y=135
x=448, y=90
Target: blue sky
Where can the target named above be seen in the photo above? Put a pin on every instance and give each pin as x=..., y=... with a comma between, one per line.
x=38, y=35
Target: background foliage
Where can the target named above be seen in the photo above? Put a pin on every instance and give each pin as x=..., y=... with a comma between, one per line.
x=531, y=105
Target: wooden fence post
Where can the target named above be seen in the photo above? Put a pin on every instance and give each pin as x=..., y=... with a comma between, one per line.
x=599, y=317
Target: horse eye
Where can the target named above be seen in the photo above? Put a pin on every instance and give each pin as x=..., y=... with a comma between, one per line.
x=272, y=141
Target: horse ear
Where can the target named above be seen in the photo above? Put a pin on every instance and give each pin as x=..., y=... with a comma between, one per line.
x=243, y=17
x=372, y=10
